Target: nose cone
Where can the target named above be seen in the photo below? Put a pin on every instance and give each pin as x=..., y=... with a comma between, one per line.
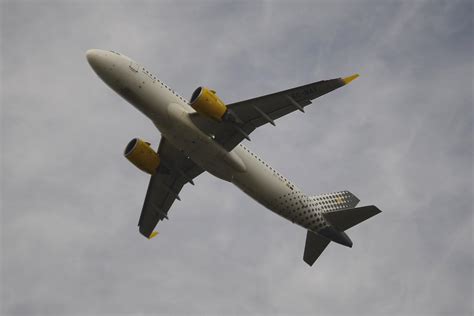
x=95, y=57
x=110, y=66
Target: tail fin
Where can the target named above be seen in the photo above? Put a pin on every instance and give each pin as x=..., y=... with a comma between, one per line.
x=315, y=245
x=346, y=218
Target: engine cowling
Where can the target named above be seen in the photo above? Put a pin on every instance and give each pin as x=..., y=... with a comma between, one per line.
x=142, y=155
x=206, y=102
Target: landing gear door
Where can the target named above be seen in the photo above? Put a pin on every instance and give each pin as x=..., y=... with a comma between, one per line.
x=134, y=66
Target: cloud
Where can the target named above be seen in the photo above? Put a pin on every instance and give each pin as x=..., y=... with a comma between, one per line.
x=399, y=137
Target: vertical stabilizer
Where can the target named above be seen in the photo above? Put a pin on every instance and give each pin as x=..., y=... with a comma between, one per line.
x=335, y=201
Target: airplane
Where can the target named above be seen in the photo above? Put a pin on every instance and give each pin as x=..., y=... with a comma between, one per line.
x=205, y=134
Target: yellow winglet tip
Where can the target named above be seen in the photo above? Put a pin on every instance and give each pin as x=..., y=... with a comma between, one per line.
x=347, y=80
x=153, y=234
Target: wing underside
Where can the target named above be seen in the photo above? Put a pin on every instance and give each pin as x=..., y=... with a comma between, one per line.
x=258, y=111
x=174, y=172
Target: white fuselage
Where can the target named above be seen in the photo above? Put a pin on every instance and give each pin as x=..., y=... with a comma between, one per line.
x=170, y=113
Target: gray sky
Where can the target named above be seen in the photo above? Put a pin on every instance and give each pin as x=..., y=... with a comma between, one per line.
x=399, y=137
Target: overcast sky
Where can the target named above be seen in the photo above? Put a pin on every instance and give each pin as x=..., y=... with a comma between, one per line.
x=399, y=137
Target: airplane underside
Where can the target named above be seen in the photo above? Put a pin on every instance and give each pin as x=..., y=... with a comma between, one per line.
x=205, y=134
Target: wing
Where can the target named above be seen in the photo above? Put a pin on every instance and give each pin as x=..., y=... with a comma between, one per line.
x=252, y=113
x=174, y=171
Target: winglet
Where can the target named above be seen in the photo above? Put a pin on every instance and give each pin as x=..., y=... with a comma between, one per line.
x=347, y=80
x=153, y=235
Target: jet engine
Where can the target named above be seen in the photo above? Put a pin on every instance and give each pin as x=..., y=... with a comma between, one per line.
x=142, y=155
x=206, y=102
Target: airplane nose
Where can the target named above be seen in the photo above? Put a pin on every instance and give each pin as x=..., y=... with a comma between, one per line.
x=93, y=56
x=100, y=62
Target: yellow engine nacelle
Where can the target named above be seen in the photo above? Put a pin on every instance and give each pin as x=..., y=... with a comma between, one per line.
x=206, y=102
x=142, y=155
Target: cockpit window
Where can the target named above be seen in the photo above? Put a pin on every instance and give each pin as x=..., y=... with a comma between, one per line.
x=115, y=52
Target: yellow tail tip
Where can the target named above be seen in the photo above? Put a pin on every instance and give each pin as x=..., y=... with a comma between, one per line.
x=153, y=235
x=346, y=80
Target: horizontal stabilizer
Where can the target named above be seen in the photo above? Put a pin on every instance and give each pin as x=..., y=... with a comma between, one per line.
x=315, y=245
x=345, y=219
